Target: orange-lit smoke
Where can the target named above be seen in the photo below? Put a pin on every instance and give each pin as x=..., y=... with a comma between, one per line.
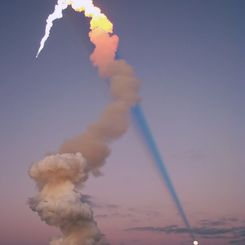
x=59, y=176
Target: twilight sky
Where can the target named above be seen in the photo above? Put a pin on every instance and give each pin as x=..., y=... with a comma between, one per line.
x=190, y=57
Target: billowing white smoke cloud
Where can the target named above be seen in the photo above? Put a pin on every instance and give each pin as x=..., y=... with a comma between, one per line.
x=58, y=202
x=59, y=177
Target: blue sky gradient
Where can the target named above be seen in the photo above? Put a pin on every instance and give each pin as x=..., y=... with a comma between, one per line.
x=190, y=57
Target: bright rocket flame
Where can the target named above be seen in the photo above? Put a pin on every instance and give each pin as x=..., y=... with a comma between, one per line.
x=195, y=242
x=98, y=19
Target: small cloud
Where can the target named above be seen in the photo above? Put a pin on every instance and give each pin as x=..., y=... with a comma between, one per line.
x=111, y=206
x=233, y=219
x=94, y=203
x=238, y=242
x=87, y=199
x=145, y=211
x=206, y=231
x=101, y=216
x=206, y=222
x=235, y=234
x=219, y=222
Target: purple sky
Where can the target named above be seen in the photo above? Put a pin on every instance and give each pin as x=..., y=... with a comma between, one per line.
x=190, y=57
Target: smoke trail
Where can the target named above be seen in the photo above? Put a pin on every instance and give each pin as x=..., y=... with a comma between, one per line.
x=141, y=122
x=57, y=14
x=59, y=177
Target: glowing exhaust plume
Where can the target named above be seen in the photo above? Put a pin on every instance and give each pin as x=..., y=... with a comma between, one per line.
x=59, y=177
x=99, y=20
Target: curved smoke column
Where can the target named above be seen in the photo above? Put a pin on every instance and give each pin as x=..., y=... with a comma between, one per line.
x=59, y=177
